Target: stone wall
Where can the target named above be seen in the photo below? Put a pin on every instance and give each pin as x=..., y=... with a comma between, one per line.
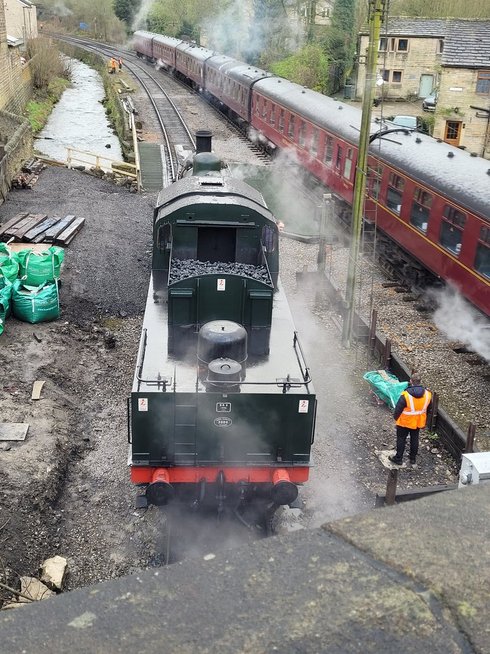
x=422, y=58
x=16, y=136
x=457, y=93
x=21, y=20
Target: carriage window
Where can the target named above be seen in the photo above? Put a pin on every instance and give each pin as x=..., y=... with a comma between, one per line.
x=314, y=141
x=329, y=150
x=374, y=182
x=264, y=109
x=272, y=118
x=395, y=193
x=291, y=126
x=452, y=226
x=419, y=215
x=257, y=106
x=482, y=259
x=348, y=163
x=338, y=160
x=281, y=121
x=302, y=134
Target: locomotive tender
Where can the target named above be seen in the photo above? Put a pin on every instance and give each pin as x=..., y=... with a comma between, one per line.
x=222, y=408
x=431, y=199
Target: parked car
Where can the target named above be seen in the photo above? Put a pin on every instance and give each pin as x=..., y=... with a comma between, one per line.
x=405, y=121
x=429, y=103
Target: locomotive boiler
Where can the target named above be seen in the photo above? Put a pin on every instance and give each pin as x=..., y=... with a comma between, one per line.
x=222, y=408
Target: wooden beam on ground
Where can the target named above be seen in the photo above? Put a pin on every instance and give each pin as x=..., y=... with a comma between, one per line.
x=67, y=236
x=34, y=220
x=54, y=231
x=11, y=222
x=39, y=229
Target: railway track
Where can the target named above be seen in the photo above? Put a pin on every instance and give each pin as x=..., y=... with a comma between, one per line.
x=172, y=124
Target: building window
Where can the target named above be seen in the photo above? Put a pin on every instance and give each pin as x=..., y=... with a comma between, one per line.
x=452, y=226
x=348, y=163
x=482, y=259
x=328, y=150
x=385, y=75
x=302, y=134
x=452, y=130
x=281, y=120
x=383, y=44
x=272, y=118
x=291, y=126
x=397, y=77
x=392, y=45
x=402, y=45
x=419, y=214
x=395, y=193
x=314, y=141
x=483, y=82
x=440, y=46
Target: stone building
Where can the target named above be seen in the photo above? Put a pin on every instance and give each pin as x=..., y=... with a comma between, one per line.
x=15, y=134
x=21, y=19
x=462, y=114
x=419, y=55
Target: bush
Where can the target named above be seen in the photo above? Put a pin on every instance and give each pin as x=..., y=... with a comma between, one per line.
x=46, y=63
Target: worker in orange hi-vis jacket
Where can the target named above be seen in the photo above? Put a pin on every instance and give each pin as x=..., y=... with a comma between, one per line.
x=411, y=416
x=113, y=65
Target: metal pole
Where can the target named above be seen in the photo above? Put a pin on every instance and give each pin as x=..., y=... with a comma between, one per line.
x=376, y=12
x=321, y=259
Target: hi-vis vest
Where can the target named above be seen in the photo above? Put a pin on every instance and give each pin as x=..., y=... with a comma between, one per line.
x=414, y=415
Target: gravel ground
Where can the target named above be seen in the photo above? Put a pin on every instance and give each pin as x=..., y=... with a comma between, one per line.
x=66, y=489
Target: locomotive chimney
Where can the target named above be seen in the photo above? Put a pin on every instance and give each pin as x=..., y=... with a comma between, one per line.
x=203, y=140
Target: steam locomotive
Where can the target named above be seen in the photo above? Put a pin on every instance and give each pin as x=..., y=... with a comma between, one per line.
x=222, y=409
x=430, y=199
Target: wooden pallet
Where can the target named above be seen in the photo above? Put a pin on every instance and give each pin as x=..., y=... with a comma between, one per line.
x=39, y=228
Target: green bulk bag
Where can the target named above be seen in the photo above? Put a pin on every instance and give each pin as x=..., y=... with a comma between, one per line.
x=385, y=386
x=5, y=304
x=9, y=266
x=35, y=303
x=37, y=268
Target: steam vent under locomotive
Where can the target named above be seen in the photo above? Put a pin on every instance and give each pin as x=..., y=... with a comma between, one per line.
x=222, y=408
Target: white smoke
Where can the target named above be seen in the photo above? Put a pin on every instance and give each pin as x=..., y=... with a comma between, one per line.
x=139, y=21
x=59, y=9
x=460, y=322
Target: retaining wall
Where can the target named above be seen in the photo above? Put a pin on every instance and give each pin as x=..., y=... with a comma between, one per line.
x=16, y=137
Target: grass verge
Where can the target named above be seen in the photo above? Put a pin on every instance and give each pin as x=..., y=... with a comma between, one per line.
x=40, y=107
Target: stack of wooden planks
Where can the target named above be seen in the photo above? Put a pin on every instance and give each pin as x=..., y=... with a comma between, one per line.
x=29, y=175
x=39, y=228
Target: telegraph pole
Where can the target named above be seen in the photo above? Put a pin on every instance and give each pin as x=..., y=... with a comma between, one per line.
x=376, y=12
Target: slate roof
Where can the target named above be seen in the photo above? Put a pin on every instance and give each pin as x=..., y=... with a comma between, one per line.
x=466, y=42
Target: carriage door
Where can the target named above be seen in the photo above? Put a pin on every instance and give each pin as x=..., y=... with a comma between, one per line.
x=452, y=132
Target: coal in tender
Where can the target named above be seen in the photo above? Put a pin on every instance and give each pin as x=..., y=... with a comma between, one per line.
x=185, y=268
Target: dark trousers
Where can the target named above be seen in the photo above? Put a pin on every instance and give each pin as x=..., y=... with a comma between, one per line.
x=401, y=439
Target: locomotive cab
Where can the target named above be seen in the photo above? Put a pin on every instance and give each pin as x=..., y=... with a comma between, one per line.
x=215, y=256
